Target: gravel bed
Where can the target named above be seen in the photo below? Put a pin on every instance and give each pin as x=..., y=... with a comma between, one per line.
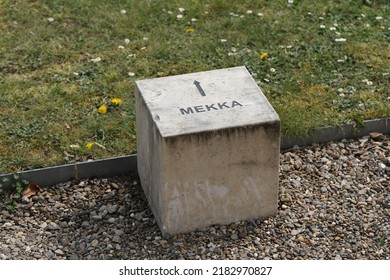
x=334, y=204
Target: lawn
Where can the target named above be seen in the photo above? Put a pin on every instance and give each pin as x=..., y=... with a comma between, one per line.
x=319, y=63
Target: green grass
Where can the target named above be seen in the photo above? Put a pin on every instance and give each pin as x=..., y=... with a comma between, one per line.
x=50, y=88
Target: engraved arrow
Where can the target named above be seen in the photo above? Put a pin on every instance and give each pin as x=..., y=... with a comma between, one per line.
x=197, y=84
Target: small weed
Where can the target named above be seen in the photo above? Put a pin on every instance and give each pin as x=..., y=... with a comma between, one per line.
x=381, y=240
x=11, y=191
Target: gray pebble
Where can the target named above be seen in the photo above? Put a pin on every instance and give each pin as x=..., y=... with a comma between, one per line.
x=94, y=243
x=49, y=254
x=52, y=226
x=25, y=200
x=59, y=252
x=234, y=236
x=112, y=209
x=116, y=239
x=294, y=232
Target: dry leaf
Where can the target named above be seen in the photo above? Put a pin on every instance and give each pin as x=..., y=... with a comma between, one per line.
x=67, y=126
x=376, y=135
x=31, y=190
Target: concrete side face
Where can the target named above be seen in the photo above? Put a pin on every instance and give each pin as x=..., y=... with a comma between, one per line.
x=149, y=156
x=220, y=177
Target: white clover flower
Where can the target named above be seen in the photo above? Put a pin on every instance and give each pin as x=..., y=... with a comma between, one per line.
x=368, y=82
x=223, y=40
x=322, y=26
x=290, y=2
x=127, y=41
x=273, y=70
x=242, y=16
x=193, y=19
x=179, y=16
x=75, y=146
x=97, y=59
x=340, y=40
x=50, y=19
x=249, y=11
x=233, y=49
x=75, y=73
x=378, y=18
x=332, y=28
x=170, y=12
x=121, y=47
x=145, y=38
x=181, y=9
x=123, y=12
x=321, y=18
x=131, y=74
x=260, y=14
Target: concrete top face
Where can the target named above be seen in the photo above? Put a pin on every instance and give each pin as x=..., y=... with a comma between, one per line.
x=205, y=101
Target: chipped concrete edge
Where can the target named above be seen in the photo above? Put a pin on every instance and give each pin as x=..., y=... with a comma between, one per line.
x=126, y=165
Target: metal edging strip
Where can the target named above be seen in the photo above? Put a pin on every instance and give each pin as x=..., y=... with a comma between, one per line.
x=126, y=165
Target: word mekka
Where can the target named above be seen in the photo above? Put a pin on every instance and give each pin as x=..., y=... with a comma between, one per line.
x=211, y=107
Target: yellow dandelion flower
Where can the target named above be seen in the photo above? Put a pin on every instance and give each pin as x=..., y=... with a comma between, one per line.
x=263, y=55
x=102, y=109
x=190, y=30
x=89, y=145
x=116, y=101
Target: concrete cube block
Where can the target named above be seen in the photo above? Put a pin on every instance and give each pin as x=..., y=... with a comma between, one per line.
x=208, y=148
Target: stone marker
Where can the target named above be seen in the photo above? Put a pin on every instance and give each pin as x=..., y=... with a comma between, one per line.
x=208, y=149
